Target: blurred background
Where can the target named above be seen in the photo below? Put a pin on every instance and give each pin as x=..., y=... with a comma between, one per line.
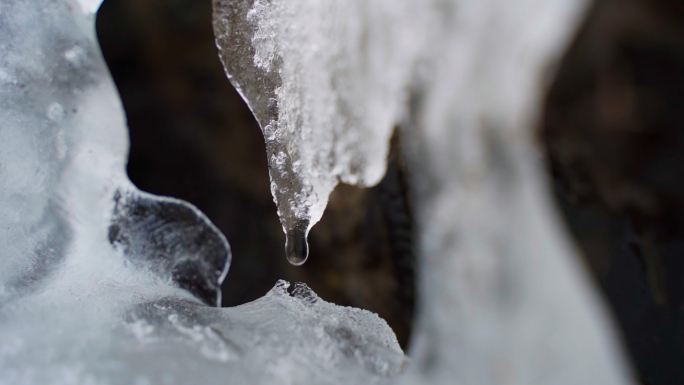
x=612, y=130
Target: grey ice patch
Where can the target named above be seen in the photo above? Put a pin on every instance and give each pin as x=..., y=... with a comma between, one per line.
x=172, y=239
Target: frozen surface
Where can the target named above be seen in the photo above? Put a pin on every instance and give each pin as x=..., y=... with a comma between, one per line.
x=306, y=69
x=103, y=284
x=503, y=299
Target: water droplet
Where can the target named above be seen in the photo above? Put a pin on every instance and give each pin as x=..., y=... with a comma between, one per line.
x=55, y=112
x=296, y=246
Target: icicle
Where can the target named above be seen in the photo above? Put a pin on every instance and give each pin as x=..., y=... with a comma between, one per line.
x=327, y=81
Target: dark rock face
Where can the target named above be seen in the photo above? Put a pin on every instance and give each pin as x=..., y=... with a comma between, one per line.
x=614, y=135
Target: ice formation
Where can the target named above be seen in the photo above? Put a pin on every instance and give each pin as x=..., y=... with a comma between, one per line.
x=103, y=284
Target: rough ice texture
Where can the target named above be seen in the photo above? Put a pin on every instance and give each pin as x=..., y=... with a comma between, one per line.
x=141, y=336
x=103, y=284
x=502, y=297
x=318, y=78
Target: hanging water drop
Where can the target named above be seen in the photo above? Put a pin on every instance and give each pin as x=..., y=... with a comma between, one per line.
x=296, y=245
